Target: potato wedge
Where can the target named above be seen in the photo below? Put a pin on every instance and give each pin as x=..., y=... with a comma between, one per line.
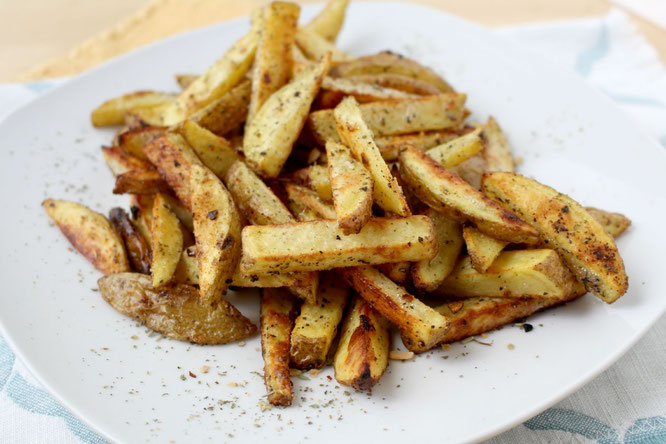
x=497, y=151
x=362, y=355
x=316, y=177
x=140, y=182
x=304, y=197
x=214, y=151
x=316, y=325
x=112, y=112
x=355, y=134
x=397, y=81
x=335, y=89
x=90, y=233
x=174, y=311
x=226, y=113
x=421, y=326
x=352, y=187
x=329, y=20
x=565, y=226
x=167, y=242
x=301, y=212
x=456, y=151
x=321, y=244
x=270, y=137
x=514, y=274
x=138, y=249
x=428, y=275
x=398, y=272
x=132, y=141
x=482, y=249
x=390, y=146
x=217, y=232
x=446, y=192
x=273, y=62
x=277, y=311
x=182, y=213
x=315, y=47
x=141, y=208
x=471, y=170
x=390, y=62
x=614, y=223
x=185, y=80
x=120, y=162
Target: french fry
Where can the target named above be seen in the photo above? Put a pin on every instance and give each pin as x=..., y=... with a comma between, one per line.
x=226, y=113
x=390, y=146
x=446, y=192
x=614, y=223
x=315, y=47
x=132, y=141
x=514, y=274
x=174, y=311
x=428, y=275
x=329, y=20
x=167, y=242
x=497, y=151
x=273, y=62
x=390, y=62
x=217, y=232
x=90, y=233
x=138, y=249
x=362, y=355
x=304, y=197
x=141, y=208
x=113, y=112
x=316, y=177
x=482, y=249
x=182, y=213
x=316, y=325
x=397, y=81
x=185, y=80
x=214, y=151
x=140, y=182
x=321, y=244
x=335, y=89
x=471, y=170
x=421, y=326
x=398, y=272
x=357, y=136
x=277, y=310
x=352, y=187
x=270, y=137
x=456, y=151
x=582, y=242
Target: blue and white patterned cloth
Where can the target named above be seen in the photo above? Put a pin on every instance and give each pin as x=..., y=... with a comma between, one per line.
x=625, y=404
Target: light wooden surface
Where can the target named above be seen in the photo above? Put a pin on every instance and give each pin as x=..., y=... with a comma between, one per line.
x=51, y=38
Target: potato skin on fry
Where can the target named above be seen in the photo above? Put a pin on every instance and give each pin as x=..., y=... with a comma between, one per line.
x=614, y=223
x=175, y=311
x=362, y=355
x=138, y=249
x=90, y=233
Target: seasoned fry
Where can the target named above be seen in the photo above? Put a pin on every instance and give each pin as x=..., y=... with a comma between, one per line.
x=315, y=47
x=277, y=310
x=138, y=249
x=362, y=354
x=90, y=233
x=140, y=182
x=352, y=187
x=357, y=136
x=446, y=192
x=390, y=62
x=582, y=242
x=428, y=275
x=456, y=151
x=421, y=326
x=226, y=113
x=132, y=141
x=471, y=170
x=316, y=325
x=141, y=208
x=214, y=151
x=174, y=311
x=329, y=20
x=182, y=213
x=217, y=232
x=321, y=244
x=167, y=242
x=335, y=89
x=497, y=151
x=273, y=63
x=482, y=249
x=390, y=146
x=614, y=223
x=397, y=81
x=316, y=177
x=270, y=137
x=304, y=197
x=398, y=272
x=113, y=111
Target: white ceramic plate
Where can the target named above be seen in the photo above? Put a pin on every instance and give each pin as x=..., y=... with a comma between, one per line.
x=133, y=387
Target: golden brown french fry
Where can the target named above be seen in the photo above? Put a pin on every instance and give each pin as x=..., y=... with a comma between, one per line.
x=497, y=151
x=174, y=311
x=321, y=244
x=316, y=325
x=614, y=223
x=138, y=249
x=428, y=275
x=270, y=137
x=390, y=146
x=141, y=208
x=315, y=177
x=113, y=112
x=277, y=310
x=133, y=140
x=471, y=170
x=357, y=136
x=185, y=80
x=390, y=62
x=90, y=233
x=362, y=354
x=352, y=187
x=398, y=272
x=316, y=47
x=421, y=326
x=329, y=20
x=397, y=81
x=182, y=213
x=167, y=242
x=120, y=162
x=214, y=151
x=304, y=197
x=456, y=151
x=217, y=232
x=446, y=192
x=226, y=113
x=582, y=242
x=335, y=89
x=140, y=182
x=482, y=249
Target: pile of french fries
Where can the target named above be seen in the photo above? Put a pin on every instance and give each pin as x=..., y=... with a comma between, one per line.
x=348, y=189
